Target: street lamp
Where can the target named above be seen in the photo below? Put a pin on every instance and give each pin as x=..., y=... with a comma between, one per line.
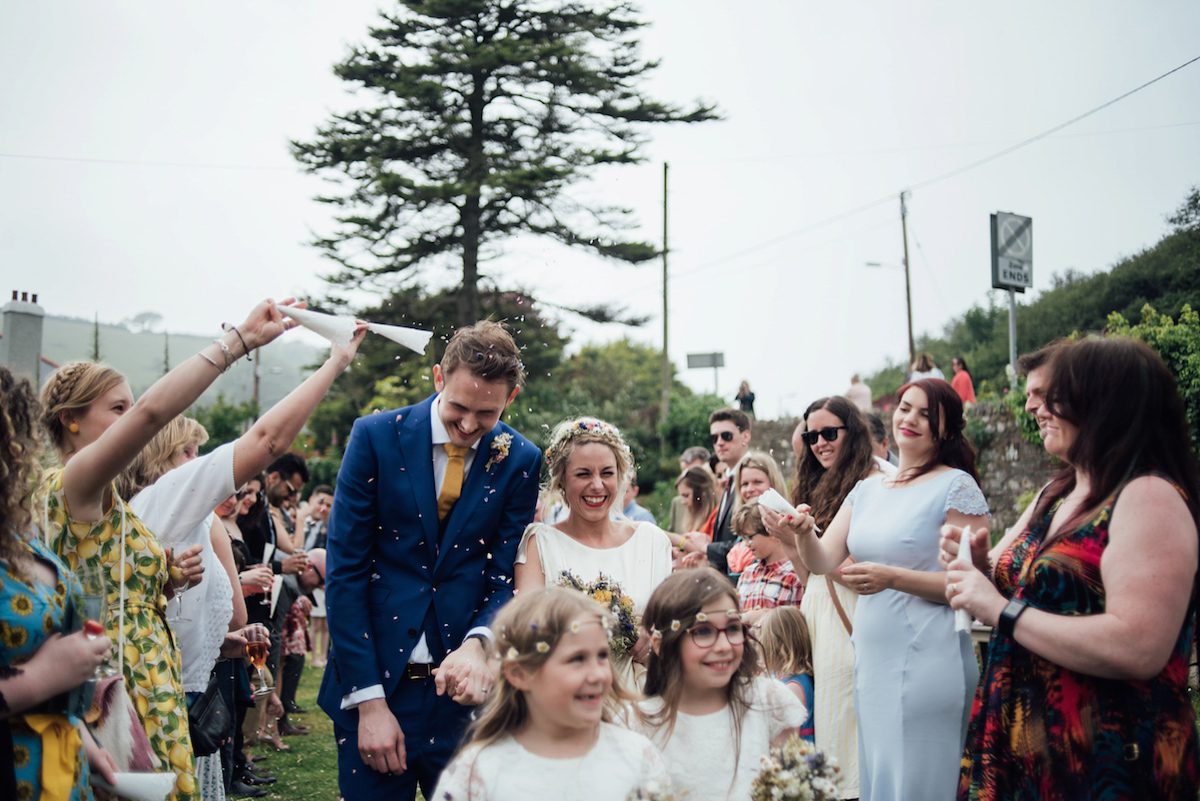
x=912, y=351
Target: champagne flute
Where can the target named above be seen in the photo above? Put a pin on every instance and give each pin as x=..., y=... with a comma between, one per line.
x=92, y=603
x=258, y=644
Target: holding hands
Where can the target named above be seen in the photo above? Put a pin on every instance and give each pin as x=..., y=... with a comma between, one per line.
x=464, y=675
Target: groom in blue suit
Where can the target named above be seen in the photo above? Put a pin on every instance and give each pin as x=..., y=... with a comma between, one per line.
x=431, y=503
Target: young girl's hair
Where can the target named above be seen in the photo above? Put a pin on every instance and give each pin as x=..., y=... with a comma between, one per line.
x=785, y=642
x=527, y=630
x=670, y=612
x=72, y=388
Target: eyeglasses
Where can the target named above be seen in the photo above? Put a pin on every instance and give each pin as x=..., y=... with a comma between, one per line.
x=828, y=433
x=705, y=635
x=242, y=493
x=748, y=538
x=724, y=436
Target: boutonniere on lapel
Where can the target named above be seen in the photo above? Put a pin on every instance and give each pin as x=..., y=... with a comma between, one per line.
x=499, y=450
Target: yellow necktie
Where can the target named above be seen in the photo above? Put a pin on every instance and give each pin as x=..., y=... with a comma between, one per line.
x=452, y=483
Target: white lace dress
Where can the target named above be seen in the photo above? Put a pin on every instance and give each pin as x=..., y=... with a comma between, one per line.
x=704, y=757
x=178, y=508
x=620, y=762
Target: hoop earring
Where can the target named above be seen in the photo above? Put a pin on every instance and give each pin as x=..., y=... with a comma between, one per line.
x=73, y=428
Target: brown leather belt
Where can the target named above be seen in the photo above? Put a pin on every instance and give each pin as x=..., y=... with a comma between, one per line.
x=418, y=670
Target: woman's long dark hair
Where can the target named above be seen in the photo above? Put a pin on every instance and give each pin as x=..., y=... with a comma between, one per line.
x=948, y=426
x=824, y=490
x=1123, y=399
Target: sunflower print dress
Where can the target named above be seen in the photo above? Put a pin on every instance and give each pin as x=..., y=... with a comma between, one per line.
x=30, y=612
x=152, y=662
x=1041, y=731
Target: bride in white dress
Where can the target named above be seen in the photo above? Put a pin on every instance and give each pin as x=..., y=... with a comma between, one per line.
x=589, y=464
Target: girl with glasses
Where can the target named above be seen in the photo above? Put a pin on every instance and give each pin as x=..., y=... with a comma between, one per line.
x=708, y=713
x=914, y=673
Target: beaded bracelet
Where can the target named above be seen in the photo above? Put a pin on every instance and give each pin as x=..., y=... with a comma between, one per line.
x=208, y=359
x=233, y=328
x=229, y=358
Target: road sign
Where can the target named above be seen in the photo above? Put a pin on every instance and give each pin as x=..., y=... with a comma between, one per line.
x=705, y=360
x=1012, y=251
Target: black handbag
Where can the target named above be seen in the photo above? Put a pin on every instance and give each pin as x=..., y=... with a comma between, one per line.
x=209, y=720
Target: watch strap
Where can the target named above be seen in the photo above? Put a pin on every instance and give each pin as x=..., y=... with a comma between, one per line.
x=1008, y=617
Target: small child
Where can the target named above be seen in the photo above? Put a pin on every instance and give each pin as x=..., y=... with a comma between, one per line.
x=705, y=708
x=544, y=732
x=787, y=655
x=770, y=580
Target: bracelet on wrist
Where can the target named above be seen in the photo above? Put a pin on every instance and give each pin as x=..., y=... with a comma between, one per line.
x=208, y=359
x=229, y=357
x=233, y=328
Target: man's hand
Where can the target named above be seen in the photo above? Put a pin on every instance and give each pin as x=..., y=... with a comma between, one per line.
x=295, y=563
x=464, y=675
x=695, y=542
x=380, y=740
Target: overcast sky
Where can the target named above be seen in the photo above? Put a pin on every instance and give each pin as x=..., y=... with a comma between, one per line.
x=144, y=165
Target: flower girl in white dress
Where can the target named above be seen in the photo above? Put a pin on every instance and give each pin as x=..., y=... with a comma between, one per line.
x=713, y=718
x=545, y=733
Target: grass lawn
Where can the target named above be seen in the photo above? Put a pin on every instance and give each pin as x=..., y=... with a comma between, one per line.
x=308, y=771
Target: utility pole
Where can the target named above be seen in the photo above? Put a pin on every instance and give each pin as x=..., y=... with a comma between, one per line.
x=665, y=403
x=912, y=350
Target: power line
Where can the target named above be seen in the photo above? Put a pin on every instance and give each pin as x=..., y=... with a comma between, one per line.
x=132, y=163
x=928, y=182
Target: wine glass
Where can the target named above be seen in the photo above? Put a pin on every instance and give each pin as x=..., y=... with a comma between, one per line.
x=175, y=605
x=92, y=603
x=258, y=644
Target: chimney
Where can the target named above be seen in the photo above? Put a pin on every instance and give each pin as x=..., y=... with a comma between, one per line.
x=21, y=346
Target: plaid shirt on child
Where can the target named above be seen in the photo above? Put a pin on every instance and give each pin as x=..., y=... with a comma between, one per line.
x=767, y=586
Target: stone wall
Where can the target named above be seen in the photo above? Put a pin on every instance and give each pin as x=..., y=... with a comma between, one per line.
x=1009, y=465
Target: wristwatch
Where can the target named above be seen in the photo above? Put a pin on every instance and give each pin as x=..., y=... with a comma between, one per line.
x=1008, y=618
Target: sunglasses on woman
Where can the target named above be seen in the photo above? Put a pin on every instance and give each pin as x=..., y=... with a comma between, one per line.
x=724, y=436
x=828, y=433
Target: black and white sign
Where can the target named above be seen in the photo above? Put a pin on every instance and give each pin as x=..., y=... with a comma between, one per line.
x=1012, y=251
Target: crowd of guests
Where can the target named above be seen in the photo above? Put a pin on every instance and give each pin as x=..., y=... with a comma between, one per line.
x=833, y=620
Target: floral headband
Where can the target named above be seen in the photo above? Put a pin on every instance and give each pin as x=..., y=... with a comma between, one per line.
x=598, y=428
x=542, y=646
x=700, y=617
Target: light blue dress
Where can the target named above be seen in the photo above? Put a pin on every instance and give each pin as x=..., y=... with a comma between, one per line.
x=914, y=675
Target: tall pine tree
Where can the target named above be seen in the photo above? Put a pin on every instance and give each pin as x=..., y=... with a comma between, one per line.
x=484, y=113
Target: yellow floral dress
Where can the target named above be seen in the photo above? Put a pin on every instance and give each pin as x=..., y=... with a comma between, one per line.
x=152, y=663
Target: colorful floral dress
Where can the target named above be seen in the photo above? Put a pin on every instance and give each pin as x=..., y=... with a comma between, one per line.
x=151, y=654
x=30, y=612
x=1041, y=731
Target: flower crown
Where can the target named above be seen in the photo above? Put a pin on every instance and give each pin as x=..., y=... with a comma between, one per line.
x=599, y=430
x=543, y=647
x=699, y=617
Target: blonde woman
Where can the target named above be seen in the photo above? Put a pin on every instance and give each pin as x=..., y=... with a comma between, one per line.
x=588, y=462
x=98, y=429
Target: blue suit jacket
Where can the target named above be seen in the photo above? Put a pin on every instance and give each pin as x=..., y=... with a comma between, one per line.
x=385, y=570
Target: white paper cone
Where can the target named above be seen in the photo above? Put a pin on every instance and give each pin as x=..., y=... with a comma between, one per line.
x=138, y=786
x=777, y=503
x=338, y=330
x=412, y=338
x=962, y=618
x=276, y=588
